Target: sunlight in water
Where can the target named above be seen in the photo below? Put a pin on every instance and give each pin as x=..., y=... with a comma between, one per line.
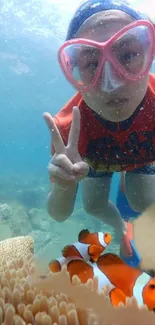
x=46, y=18
x=143, y=5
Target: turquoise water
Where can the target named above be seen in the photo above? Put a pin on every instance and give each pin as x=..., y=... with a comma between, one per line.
x=31, y=83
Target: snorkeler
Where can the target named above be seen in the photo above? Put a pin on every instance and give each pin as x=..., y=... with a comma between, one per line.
x=109, y=125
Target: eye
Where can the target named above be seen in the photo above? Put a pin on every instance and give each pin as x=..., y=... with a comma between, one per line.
x=152, y=286
x=128, y=57
x=91, y=65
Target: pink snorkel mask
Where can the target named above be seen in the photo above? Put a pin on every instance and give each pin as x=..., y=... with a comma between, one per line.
x=85, y=62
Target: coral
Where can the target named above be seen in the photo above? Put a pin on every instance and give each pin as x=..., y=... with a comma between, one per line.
x=20, y=223
x=15, y=216
x=27, y=298
x=32, y=197
x=5, y=212
x=5, y=231
x=16, y=247
x=40, y=214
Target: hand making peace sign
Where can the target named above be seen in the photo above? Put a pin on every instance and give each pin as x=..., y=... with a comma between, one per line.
x=66, y=164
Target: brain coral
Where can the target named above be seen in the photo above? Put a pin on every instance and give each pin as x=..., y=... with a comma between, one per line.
x=16, y=247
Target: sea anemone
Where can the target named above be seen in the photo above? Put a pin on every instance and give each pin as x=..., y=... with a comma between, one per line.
x=26, y=297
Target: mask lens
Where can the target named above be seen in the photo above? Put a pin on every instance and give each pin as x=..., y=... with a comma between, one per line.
x=131, y=55
x=133, y=50
x=81, y=62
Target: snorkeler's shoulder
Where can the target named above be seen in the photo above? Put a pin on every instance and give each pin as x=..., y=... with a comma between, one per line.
x=152, y=84
x=63, y=118
x=149, y=101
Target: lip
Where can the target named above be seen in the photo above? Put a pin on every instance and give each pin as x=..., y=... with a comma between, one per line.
x=117, y=101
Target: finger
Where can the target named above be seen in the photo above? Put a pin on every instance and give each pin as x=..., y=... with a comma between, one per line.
x=55, y=171
x=81, y=168
x=79, y=177
x=56, y=136
x=73, y=138
x=61, y=181
x=63, y=162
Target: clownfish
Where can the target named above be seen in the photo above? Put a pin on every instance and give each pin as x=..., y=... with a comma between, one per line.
x=132, y=282
x=122, y=280
x=88, y=248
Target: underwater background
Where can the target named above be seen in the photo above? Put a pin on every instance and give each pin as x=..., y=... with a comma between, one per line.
x=31, y=83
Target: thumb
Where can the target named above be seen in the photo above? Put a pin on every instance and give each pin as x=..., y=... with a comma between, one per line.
x=81, y=167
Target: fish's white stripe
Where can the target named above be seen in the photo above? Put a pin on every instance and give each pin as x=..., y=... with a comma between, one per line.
x=140, y=283
x=83, y=250
x=103, y=280
x=101, y=239
x=66, y=260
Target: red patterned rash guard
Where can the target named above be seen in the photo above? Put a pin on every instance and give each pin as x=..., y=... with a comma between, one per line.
x=109, y=146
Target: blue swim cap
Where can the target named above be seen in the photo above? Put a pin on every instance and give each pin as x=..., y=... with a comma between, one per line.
x=90, y=7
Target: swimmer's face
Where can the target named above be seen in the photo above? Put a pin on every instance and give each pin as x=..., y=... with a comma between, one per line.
x=119, y=104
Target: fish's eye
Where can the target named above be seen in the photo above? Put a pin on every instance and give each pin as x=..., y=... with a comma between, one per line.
x=152, y=286
x=105, y=235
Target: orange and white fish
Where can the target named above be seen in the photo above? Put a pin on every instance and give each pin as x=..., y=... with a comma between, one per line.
x=122, y=280
x=131, y=281
x=85, y=271
x=88, y=248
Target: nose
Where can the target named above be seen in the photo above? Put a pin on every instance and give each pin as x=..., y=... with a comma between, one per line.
x=110, y=79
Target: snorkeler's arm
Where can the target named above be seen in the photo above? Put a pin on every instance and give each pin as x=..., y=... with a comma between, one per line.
x=64, y=174
x=61, y=200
